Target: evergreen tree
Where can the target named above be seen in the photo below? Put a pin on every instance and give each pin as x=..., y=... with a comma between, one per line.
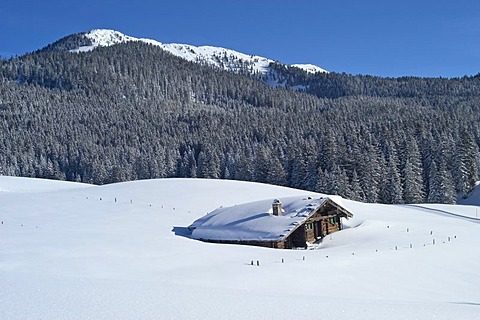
x=356, y=191
x=412, y=174
x=391, y=191
x=466, y=163
x=441, y=184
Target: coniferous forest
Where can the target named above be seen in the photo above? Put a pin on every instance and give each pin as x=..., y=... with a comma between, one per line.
x=133, y=111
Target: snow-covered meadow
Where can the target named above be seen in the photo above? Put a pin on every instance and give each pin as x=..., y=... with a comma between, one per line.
x=76, y=251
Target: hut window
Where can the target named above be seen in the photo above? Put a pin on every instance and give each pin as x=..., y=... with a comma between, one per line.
x=309, y=226
x=331, y=220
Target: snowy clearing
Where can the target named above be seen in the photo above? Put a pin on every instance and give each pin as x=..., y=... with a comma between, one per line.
x=105, y=252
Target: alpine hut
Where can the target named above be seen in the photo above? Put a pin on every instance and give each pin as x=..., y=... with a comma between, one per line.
x=293, y=222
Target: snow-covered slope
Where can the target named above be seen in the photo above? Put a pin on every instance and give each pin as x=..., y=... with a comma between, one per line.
x=23, y=185
x=473, y=198
x=111, y=252
x=220, y=57
x=310, y=68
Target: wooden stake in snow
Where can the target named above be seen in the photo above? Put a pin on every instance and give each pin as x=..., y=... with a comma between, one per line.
x=258, y=263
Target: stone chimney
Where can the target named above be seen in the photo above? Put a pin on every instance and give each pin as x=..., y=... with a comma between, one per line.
x=276, y=207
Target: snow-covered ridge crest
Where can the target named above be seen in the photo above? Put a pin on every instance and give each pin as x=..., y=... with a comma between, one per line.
x=310, y=68
x=226, y=59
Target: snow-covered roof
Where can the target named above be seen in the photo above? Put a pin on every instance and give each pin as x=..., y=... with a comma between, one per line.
x=254, y=221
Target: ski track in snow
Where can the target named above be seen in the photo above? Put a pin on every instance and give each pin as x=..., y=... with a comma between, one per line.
x=444, y=213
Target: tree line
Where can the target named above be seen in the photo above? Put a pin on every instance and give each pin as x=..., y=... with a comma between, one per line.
x=133, y=111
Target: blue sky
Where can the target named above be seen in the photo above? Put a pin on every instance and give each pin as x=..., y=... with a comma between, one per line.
x=386, y=38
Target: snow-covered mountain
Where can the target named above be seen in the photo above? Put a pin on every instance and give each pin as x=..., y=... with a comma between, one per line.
x=78, y=251
x=220, y=57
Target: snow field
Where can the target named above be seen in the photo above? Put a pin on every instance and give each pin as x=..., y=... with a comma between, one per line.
x=65, y=254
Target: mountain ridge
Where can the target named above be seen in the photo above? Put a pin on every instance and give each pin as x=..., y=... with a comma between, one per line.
x=226, y=59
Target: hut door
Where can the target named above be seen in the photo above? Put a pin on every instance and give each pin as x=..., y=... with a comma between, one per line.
x=317, y=227
x=324, y=227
